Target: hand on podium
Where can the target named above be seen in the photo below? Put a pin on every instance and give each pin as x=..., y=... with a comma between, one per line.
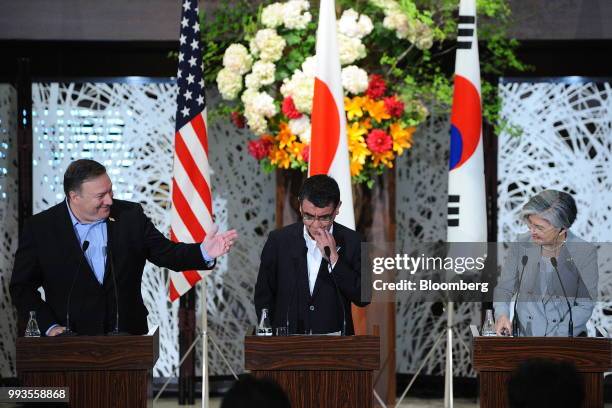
x=503, y=326
x=56, y=331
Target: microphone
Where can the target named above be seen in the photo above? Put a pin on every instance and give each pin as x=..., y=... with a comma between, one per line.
x=570, y=329
x=111, y=267
x=516, y=327
x=69, y=332
x=339, y=297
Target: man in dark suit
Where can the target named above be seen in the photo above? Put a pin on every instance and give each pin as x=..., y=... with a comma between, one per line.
x=310, y=272
x=118, y=239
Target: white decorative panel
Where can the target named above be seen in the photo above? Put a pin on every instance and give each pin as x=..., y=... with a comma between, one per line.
x=422, y=201
x=566, y=145
x=129, y=127
x=8, y=225
x=249, y=205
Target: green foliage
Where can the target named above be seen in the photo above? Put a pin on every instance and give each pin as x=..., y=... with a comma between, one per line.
x=224, y=26
x=427, y=74
x=266, y=166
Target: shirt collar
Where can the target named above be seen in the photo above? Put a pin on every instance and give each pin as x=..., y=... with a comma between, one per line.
x=75, y=220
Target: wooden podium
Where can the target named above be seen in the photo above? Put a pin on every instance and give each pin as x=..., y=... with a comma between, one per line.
x=100, y=371
x=494, y=358
x=317, y=371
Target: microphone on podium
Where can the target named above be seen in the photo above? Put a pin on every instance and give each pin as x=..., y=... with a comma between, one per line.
x=516, y=328
x=570, y=329
x=111, y=268
x=68, y=331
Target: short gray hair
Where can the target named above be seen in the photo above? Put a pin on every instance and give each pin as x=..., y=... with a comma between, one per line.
x=554, y=206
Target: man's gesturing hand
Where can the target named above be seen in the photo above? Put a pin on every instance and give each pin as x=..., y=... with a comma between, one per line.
x=325, y=239
x=219, y=243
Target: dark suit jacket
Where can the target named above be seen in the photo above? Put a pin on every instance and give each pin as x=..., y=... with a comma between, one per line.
x=282, y=283
x=48, y=256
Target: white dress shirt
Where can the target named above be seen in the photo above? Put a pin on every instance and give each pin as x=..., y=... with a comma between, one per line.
x=314, y=258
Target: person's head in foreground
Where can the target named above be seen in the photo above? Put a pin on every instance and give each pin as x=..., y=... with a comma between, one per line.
x=549, y=215
x=319, y=203
x=545, y=384
x=249, y=391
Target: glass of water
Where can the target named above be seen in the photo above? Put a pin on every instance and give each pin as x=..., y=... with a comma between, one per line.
x=488, y=327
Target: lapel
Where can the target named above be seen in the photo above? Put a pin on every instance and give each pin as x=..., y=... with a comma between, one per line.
x=531, y=281
x=69, y=235
x=323, y=271
x=298, y=252
x=568, y=274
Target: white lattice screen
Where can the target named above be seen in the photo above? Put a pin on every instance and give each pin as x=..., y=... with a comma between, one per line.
x=8, y=224
x=421, y=202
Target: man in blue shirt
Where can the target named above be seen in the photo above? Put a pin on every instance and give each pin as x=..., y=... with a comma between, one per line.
x=115, y=234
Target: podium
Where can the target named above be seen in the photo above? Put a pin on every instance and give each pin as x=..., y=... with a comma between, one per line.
x=317, y=371
x=494, y=358
x=100, y=371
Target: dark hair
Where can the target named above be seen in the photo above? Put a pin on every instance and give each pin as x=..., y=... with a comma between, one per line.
x=538, y=383
x=321, y=190
x=79, y=171
x=249, y=391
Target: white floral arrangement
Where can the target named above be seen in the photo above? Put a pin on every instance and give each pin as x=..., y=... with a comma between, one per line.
x=276, y=102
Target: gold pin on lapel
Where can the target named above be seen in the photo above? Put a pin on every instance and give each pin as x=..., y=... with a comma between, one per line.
x=111, y=219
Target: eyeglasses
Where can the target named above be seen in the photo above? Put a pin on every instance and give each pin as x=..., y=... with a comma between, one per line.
x=323, y=219
x=539, y=228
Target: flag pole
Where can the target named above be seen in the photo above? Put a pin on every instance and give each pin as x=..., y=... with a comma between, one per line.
x=448, y=373
x=204, y=317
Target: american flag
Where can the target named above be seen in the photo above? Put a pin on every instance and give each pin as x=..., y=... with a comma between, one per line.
x=191, y=214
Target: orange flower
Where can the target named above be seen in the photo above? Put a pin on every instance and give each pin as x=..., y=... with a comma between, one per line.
x=402, y=137
x=356, y=168
x=385, y=158
x=354, y=107
x=280, y=158
x=376, y=110
x=296, y=150
x=285, y=137
x=356, y=131
x=358, y=149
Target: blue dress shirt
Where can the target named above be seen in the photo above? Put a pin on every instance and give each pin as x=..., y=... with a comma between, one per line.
x=97, y=235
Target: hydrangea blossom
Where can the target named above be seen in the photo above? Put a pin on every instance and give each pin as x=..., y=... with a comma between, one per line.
x=301, y=88
x=301, y=128
x=268, y=45
x=229, y=83
x=354, y=79
x=262, y=74
x=350, y=49
x=353, y=25
x=272, y=15
x=293, y=17
x=237, y=59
